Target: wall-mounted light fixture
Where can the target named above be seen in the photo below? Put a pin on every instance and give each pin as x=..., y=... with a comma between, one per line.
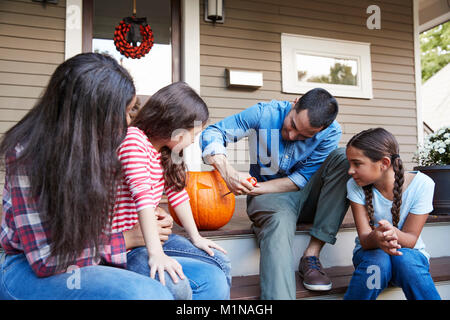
x=244, y=78
x=214, y=11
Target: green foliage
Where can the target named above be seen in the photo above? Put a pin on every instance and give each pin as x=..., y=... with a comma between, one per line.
x=339, y=74
x=435, y=50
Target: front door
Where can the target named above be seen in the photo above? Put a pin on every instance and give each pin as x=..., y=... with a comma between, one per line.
x=157, y=68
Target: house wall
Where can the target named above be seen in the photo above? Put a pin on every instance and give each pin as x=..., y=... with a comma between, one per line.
x=250, y=39
x=31, y=47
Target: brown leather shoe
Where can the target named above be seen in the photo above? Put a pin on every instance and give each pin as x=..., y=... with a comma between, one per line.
x=314, y=278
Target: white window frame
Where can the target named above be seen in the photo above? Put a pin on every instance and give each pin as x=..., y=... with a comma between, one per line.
x=292, y=44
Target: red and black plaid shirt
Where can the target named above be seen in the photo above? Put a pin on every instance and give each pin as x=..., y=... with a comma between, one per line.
x=23, y=230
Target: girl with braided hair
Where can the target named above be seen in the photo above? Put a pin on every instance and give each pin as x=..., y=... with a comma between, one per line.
x=390, y=208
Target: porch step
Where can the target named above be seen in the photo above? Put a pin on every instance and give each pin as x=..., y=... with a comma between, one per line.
x=245, y=255
x=247, y=287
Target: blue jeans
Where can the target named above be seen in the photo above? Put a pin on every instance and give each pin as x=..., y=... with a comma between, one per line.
x=19, y=282
x=208, y=278
x=375, y=269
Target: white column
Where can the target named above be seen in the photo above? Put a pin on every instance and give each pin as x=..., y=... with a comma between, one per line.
x=190, y=72
x=418, y=72
x=74, y=19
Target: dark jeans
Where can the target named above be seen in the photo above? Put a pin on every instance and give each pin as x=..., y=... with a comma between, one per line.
x=323, y=201
x=375, y=269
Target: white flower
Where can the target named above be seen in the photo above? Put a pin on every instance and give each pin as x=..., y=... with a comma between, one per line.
x=441, y=150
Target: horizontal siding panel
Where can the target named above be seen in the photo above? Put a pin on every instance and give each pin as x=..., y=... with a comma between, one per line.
x=357, y=8
x=391, y=94
x=355, y=128
x=382, y=76
x=31, y=56
x=17, y=103
x=20, y=91
x=376, y=120
x=32, y=44
x=32, y=20
x=238, y=63
x=401, y=139
x=6, y=125
x=309, y=31
x=284, y=20
x=392, y=68
x=27, y=67
x=242, y=42
x=392, y=51
x=316, y=10
x=388, y=103
x=399, y=86
x=382, y=58
x=240, y=53
x=34, y=80
x=12, y=115
x=33, y=8
x=226, y=32
x=31, y=32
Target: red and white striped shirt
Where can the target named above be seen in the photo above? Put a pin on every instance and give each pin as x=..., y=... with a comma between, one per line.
x=142, y=183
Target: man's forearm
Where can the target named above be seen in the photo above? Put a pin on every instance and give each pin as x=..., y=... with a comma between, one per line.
x=220, y=163
x=275, y=185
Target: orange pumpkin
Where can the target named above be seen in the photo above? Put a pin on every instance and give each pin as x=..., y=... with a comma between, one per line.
x=211, y=210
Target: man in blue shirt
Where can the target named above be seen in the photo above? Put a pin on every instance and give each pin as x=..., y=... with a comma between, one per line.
x=301, y=175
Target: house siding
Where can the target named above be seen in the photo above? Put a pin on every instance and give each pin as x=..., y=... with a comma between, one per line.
x=250, y=39
x=31, y=47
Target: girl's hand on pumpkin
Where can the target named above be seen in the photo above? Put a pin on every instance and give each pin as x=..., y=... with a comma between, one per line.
x=161, y=262
x=206, y=245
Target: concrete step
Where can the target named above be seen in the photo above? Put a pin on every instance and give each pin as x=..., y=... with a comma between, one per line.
x=247, y=287
x=244, y=252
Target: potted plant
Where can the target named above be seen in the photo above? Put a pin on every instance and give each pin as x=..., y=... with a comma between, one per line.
x=433, y=158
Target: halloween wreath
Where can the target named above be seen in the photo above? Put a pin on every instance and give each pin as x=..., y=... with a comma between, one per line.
x=129, y=32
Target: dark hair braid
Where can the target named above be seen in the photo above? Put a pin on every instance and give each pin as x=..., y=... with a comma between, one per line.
x=397, y=165
x=369, y=205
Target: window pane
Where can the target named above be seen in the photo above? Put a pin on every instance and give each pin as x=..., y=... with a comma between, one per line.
x=326, y=70
x=154, y=70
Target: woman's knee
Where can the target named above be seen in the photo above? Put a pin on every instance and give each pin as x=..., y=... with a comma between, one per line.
x=212, y=286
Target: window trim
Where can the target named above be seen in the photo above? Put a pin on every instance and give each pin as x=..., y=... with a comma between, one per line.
x=291, y=44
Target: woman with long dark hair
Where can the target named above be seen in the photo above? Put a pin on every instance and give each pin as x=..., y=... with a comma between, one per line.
x=61, y=175
x=152, y=163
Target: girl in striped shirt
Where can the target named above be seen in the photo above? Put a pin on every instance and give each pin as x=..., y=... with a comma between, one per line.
x=151, y=159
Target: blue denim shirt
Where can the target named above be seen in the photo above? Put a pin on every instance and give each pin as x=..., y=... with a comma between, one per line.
x=271, y=157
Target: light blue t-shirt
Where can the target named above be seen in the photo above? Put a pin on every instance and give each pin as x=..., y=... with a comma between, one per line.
x=416, y=199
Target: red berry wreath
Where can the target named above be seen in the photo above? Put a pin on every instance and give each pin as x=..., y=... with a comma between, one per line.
x=129, y=32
